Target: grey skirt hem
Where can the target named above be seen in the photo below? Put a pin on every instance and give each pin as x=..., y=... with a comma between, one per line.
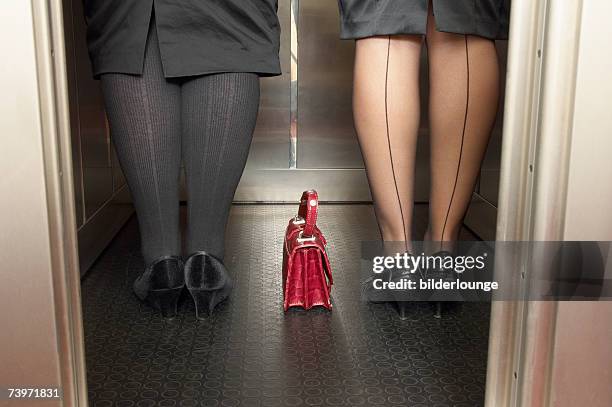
x=401, y=25
x=366, y=18
x=195, y=37
x=265, y=64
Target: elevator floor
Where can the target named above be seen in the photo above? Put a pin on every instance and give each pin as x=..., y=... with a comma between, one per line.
x=250, y=353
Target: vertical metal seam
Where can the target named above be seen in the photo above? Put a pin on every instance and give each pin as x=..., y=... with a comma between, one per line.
x=54, y=118
x=294, y=84
x=507, y=318
x=555, y=230
x=81, y=179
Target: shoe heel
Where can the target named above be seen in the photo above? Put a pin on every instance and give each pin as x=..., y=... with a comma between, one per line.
x=166, y=301
x=402, y=309
x=438, y=313
x=205, y=302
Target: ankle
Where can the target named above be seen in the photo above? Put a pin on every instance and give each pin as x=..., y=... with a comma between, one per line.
x=436, y=242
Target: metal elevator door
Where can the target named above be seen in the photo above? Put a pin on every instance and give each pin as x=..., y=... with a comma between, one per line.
x=305, y=137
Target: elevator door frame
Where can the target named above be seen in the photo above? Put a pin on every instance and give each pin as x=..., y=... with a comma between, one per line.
x=536, y=92
x=42, y=339
x=538, y=129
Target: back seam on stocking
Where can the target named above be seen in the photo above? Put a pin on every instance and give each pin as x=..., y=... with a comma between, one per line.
x=465, y=118
x=399, y=200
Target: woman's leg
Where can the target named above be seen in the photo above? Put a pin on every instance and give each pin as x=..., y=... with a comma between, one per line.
x=464, y=92
x=144, y=117
x=218, y=116
x=386, y=109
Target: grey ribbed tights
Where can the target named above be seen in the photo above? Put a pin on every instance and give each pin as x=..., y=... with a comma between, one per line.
x=208, y=122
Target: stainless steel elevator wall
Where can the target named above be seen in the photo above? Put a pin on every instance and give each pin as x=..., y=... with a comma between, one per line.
x=326, y=138
x=101, y=198
x=270, y=147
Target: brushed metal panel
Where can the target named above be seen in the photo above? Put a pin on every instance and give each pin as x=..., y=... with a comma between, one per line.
x=94, y=135
x=100, y=230
x=422, y=173
x=339, y=185
x=119, y=180
x=74, y=112
x=523, y=334
x=67, y=296
x=520, y=122
x=326, y=136
x=295, y=75
x=270, y=147
x=98, y=180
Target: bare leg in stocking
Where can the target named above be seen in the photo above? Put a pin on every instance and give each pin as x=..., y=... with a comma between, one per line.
x=386, y=109
x=464, y=92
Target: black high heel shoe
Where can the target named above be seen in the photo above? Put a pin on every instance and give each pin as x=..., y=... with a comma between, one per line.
x=441, y=273
x=403, y=301
x=405, y=298
x=208, y=282
x=372, y=295
x=161, y=284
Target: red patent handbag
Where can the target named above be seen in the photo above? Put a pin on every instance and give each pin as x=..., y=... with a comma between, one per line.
x=307, y=277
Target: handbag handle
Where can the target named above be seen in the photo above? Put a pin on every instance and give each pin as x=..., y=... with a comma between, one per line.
x=309, y=205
